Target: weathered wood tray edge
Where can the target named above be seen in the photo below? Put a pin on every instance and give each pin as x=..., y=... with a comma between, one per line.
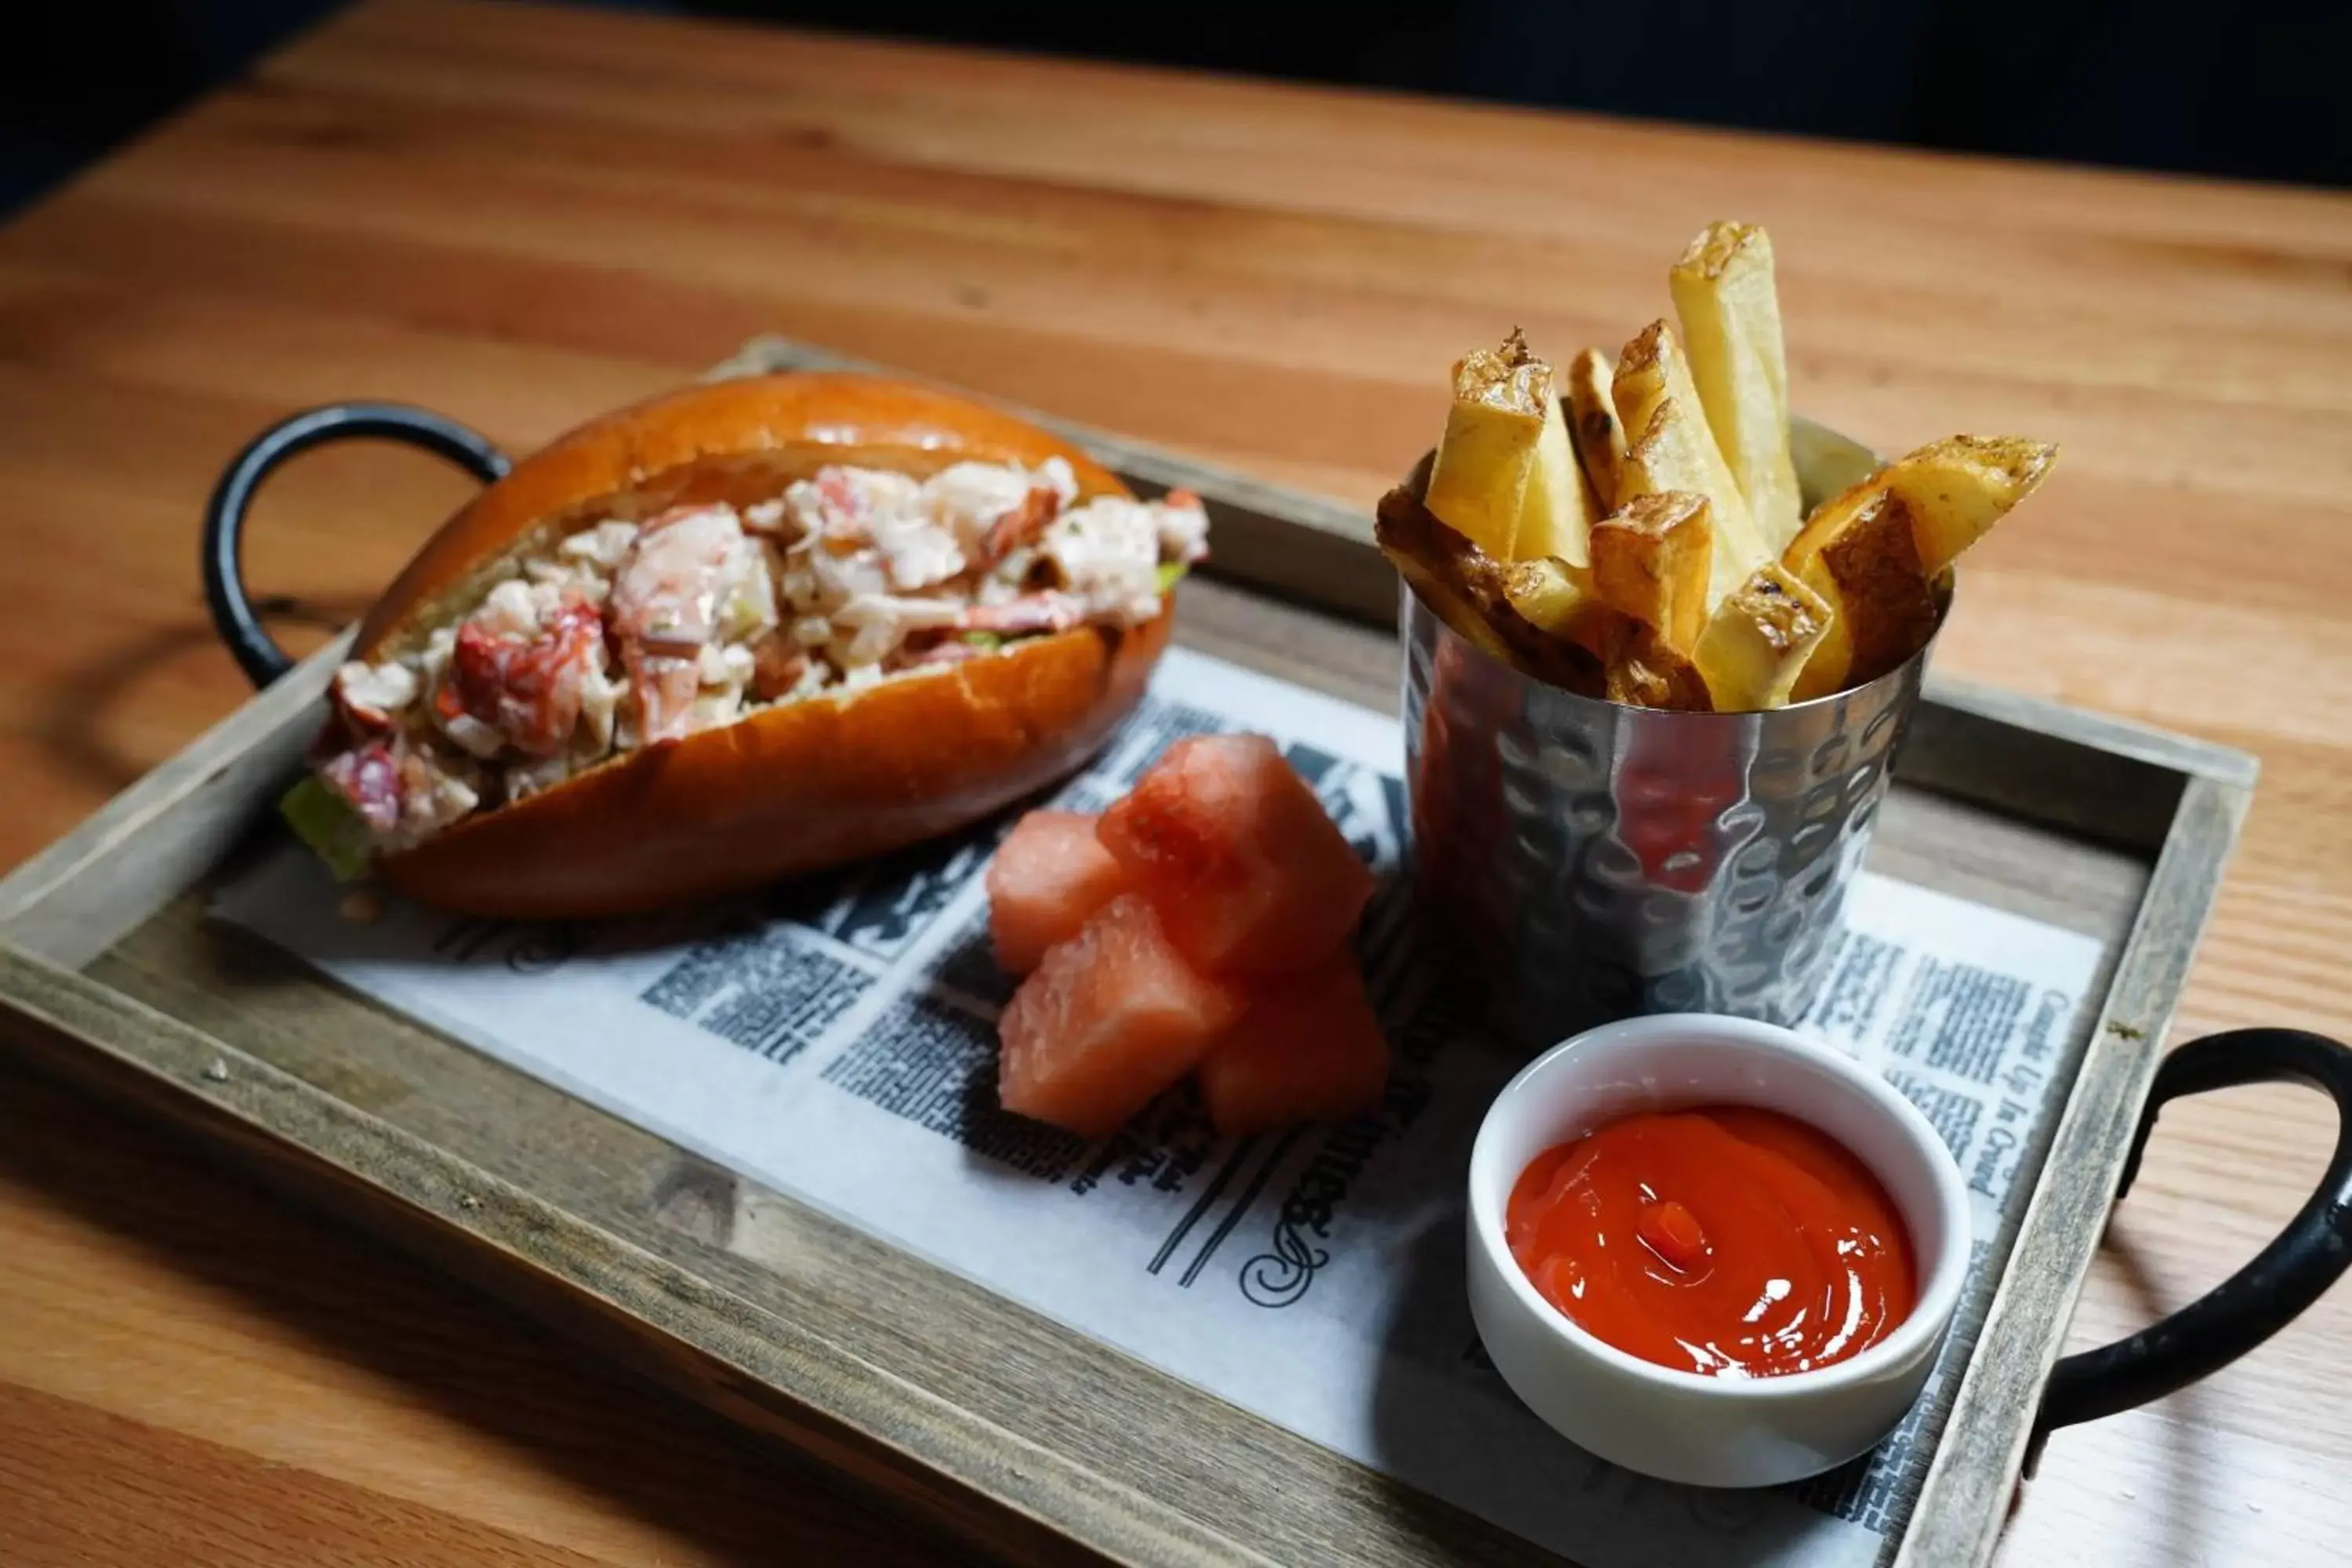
x=67, y=904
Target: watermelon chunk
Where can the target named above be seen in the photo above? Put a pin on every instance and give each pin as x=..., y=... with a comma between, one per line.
x=1049, y=876
x=1309, y=1048
x=1110, y=1018
x=1236, y=852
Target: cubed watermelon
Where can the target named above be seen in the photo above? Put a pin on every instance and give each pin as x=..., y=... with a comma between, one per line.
x=1236, y=852
x=1309, y=1048
x=1049, y=876
x=1110, y=1018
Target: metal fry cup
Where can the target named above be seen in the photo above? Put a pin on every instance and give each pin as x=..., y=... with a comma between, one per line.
x=1580, y=860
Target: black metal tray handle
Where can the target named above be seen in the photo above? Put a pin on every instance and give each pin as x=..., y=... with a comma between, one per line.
x=2200, y=1339
x=2291, y=1273
x=233, y=611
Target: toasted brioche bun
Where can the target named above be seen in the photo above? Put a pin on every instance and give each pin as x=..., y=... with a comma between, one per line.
x=791, y=788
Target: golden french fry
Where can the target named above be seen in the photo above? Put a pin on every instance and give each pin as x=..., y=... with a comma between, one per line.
x=1957, y=488
x=1555, y=597
x=1632, y=527
x=1599, y=438
x=1730, y=311
x=1558, y=508
x=1644, y=671
x=1758, y=641
x=1859, y=553
x=1401, y=527
x=1652, y=560
x=1467, y=589
x=1876, y=549
x=1675, y=451
x=1480, y=479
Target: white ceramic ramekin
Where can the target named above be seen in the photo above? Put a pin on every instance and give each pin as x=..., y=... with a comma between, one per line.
x=1678, y=1426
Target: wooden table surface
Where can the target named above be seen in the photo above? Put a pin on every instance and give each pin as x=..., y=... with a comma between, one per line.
x=524, y=217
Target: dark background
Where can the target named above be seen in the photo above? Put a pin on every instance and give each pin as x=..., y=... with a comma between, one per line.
x=2255, y=90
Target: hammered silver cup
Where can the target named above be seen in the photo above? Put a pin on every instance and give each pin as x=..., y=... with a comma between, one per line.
x=1581, y=860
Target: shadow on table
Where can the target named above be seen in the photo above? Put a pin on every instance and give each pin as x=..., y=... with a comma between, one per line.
x=722, y=1496
x=2189, y=1464
x=87, y=701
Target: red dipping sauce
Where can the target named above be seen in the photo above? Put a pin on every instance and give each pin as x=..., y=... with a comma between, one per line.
x=1724, y=1240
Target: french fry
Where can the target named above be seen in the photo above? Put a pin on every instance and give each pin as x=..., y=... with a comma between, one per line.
x=1592, y=420
x=1634, y=527
x=1484, y=457
x=1556, y=597
x=1644, y=672
x=1652, y=560
x=1675, y=451
x=1401, y=527
x=1730, y=313
x=1876, y=549
x=1957, y=488
x=1757, y=642
x=1559, y=508
x=1469, y=590
x=1859, y=553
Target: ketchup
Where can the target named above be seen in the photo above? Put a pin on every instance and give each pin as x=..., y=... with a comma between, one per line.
x=1724, y=1240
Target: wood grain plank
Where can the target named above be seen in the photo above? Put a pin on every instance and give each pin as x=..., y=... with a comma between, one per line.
x=980, y=1480
x=173, y=1322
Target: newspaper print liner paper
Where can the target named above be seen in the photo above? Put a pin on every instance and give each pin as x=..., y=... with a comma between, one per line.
x=835, y=1041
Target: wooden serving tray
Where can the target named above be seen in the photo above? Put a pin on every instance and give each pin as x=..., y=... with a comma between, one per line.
x=1026, y=1437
